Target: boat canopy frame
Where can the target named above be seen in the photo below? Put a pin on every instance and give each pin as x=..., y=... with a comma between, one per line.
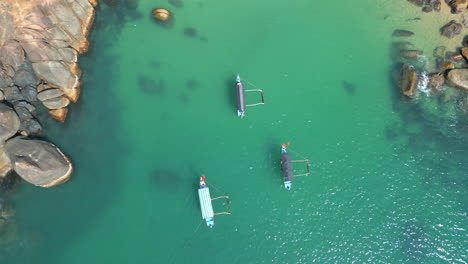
x=228, y=206
x=261, y=96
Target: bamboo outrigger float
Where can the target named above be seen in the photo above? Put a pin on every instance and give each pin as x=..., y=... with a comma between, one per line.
x=287, y=168
x=240, y=97
x=206, y=205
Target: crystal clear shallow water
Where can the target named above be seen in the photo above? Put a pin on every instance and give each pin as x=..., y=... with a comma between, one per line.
x=389, y=176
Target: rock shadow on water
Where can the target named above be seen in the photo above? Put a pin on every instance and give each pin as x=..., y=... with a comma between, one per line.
x=183, y=98
x=349, y=87
x=192, y=84
x=8, y=184
x=156, y=64
x=413, y=242
x=128, y=7
x=229, y=83
x=272, y=148
x=165, y=178
x=151, y=87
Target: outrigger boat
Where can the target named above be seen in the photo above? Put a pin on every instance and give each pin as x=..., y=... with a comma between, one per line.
x=206, y=205
x=240, y=97
x=287, y=167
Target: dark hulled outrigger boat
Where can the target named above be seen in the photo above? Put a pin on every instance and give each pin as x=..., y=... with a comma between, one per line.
x=206, y=205
x=287, y=167
x=240, y=97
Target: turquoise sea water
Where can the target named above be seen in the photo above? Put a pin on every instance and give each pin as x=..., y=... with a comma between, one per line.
x=389, y=175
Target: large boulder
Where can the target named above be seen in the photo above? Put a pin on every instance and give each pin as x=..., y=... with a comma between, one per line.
x=436, y=82
x=59, y=114
x=446, y=65
x=407, y=79
x=451, y=29
x=464, y=52
x=458, y=78
x=57, y=74
x=38, y=162
x=9, y=122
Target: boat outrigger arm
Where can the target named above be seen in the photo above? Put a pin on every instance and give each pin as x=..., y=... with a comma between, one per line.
x=287, y=168
x=206, y=205
x=240, y=97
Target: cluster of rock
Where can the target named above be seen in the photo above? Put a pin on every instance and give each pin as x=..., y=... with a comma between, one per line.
x=39, y=46
x=408, y=77
x=452, y=66
x=456, y=6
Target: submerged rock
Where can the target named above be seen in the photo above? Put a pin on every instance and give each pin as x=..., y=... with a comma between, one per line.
x=402, y=33
x=437, y=5
x=38, y=162
x=348, y=87
x=176, y=3
x=417, y=2
x=192, y=84
x=402, y=45
x=458, y=78
x=427, y=9
x=451, y=29
x=457, y=6
x=439, y=51
x=410, y=54
x=150, y=86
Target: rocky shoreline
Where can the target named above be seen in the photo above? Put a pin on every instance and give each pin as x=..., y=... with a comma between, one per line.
x=40, y=42
x=449, y=68
x=39, y=46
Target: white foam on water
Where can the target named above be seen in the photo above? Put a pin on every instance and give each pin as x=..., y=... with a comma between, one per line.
x=423, y=83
